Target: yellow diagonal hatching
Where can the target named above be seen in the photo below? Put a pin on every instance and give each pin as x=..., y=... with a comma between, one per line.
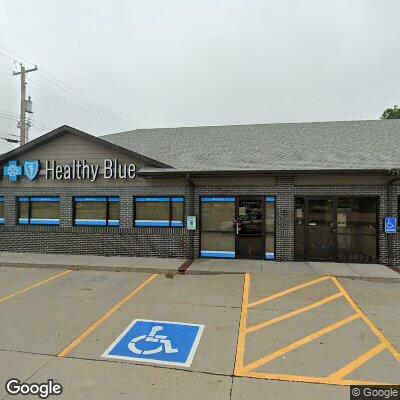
x=335, y=378
x=293, y=313
x=353, y=365
x=285, y=292
x=300, y=342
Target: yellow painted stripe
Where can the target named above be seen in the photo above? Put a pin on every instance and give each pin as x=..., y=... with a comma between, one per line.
x=300, y=342
x=107, y=315
x=293, y=313
x=242, y=327
x=350, y=367
x=284, y=292
x=10, y=296
x=310, y=379
x=371, y=325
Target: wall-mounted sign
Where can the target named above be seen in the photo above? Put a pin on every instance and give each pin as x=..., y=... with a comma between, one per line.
x=390, y=225
x=78, y=169
x=191, y=223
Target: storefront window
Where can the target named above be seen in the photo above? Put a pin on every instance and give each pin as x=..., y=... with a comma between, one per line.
x=217, y=227
x=356, y=229
x=39, y=210
x=270, y=228
x=159, y=211
x=1, y=210
x=97, y=211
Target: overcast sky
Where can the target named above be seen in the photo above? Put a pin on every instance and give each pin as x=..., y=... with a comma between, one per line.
x=159, y=63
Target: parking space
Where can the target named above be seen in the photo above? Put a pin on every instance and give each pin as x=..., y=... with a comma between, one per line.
x=213, y=301
x=289, y=330
x=44, y=319
x=13, y=281
x=310, y=332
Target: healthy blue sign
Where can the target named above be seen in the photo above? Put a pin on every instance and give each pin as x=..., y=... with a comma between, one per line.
x=160, y=342
x=390, y=225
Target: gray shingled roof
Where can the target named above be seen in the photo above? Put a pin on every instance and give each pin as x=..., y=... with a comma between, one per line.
x=358, y=145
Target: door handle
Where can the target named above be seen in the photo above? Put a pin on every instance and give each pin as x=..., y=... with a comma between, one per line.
x=237, y=228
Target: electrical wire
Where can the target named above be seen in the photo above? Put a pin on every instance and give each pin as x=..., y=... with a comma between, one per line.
x=80, y=96
x=68, y=100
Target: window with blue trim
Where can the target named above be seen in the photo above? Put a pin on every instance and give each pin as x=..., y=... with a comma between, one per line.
x=39, y=210
x=1, y=210
x=159, y=211
x=217, y=227
x=97, y=211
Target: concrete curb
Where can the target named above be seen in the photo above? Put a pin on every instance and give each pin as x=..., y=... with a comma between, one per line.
x=173, y=271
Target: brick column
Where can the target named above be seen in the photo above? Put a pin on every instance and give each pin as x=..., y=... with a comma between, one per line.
x=66, y=211
x=126, y=211
x=285, y=218
x=10, y=210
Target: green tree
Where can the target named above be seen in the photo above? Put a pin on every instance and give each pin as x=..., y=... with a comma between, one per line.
x=391, y=113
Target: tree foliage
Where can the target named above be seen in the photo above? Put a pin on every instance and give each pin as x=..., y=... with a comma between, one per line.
x=391, y=113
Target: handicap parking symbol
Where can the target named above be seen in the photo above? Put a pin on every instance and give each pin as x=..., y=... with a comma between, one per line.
x=160, y=342
x=391, y=225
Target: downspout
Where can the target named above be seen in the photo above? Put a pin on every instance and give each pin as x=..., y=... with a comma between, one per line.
x=191, y=212
x=389, y=192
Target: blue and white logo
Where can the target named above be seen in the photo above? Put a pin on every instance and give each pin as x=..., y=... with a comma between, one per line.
x=160, y=342
x=31, y=169
x=390, y=225
x=13, y=171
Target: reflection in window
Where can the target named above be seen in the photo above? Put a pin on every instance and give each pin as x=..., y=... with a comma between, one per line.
x=39, y=210
x=270, y=228
x=159, y=211
x=97, y=211
x=217, y=227
x=1, y=210
x=356, y=228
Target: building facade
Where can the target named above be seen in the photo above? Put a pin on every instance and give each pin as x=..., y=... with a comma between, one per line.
x=285, y=192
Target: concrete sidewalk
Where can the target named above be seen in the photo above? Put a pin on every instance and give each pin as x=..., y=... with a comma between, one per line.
x=199, y=266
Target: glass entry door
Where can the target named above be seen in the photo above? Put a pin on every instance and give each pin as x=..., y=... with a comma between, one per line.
x=321, y=228
x=249, y=228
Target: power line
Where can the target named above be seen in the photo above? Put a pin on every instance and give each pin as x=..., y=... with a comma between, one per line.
x=9, y=134
x=68, y=100
x=77, y=94
x=8, y=117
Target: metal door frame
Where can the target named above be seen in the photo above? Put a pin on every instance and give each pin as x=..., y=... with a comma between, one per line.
x=306, y=232
x=249, y=197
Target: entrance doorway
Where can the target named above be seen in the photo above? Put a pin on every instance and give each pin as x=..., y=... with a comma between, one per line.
x=249, y=228
x=237, y=227
x=342, y=229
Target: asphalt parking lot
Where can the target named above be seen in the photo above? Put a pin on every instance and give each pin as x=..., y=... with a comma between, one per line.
x=263, y=336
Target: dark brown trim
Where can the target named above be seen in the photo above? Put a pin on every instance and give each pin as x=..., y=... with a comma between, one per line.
x=62, y=130
x=237, y=173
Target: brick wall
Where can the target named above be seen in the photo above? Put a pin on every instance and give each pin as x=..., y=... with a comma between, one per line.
x=66, y=238
x=169, y=242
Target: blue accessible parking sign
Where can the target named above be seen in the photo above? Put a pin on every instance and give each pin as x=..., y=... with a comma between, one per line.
x=160, y=342
x=391, y=225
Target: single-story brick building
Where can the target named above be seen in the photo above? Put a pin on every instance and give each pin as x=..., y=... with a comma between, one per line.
x=295, y=191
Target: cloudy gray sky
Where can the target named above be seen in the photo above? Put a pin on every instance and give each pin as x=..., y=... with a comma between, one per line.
x=159, y=63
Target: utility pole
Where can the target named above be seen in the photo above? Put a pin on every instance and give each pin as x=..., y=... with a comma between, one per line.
x=23, y=126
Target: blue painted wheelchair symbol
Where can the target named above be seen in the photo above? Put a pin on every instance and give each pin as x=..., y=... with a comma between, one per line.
x=171, y=343
x=390, y=225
